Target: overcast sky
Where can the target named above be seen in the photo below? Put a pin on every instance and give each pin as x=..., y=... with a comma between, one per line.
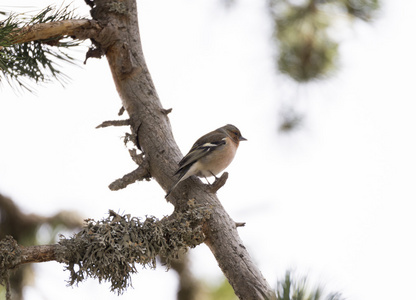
x=333, y=200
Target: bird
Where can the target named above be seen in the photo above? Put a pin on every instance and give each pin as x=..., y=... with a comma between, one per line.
x=210, y=154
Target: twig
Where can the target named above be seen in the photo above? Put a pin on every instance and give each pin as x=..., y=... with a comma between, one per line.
x=218, y=183
x=114, y=123
x=140, y=174
x=166, y=111
x=8, y=288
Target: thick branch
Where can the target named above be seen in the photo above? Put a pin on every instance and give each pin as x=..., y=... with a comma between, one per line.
x=80, y=29
x=133, y=82
x=110, y=248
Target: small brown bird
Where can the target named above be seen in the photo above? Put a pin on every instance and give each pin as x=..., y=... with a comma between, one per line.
x=210, y=154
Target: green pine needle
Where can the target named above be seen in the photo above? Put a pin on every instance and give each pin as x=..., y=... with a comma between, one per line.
x=35, y=61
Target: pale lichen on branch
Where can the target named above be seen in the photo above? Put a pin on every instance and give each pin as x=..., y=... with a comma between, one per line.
x=109, y=250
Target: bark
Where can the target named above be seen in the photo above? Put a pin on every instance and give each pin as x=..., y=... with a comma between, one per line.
x=120, y=41
x=42, y=253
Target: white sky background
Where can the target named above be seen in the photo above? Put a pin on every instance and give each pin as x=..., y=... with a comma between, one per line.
x=334, y=200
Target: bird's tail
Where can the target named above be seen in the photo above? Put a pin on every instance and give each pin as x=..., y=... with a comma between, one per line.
x=182, y=176
x=172, y=188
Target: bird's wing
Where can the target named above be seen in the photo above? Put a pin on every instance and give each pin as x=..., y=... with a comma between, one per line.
x=202, y=147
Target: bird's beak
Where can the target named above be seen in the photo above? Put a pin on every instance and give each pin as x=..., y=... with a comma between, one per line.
x=242, y=138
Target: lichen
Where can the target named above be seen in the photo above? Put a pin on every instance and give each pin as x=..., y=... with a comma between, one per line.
x=118, y=7
x=110, y=249
x=9, y=253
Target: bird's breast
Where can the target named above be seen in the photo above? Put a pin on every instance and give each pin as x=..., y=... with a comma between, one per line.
x=217, y=161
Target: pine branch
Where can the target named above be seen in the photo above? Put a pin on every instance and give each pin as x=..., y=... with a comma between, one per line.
x=49, y=23
x=78, y=29
x=30, y=48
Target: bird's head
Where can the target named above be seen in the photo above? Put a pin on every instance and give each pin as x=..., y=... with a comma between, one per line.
x=234, y=133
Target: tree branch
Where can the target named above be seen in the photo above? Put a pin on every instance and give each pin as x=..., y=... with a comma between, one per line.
x=79, y=29
x=114, y=123
x=13, y=255
x=110, y=248
x=140, y=174
x=139, y=97
x=36, y=254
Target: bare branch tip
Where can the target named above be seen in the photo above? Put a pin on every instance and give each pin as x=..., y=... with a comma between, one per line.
x=121, y=111
x=240, y=224
x=166, y=111
x=140, y=174
x=218, y=183
x=114, y=123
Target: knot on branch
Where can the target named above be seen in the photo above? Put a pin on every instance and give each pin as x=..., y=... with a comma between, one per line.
x=110, y=248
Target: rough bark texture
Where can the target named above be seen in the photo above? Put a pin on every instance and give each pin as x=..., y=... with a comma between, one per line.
x=19, y=255
x=40, y=253
x=120, y=41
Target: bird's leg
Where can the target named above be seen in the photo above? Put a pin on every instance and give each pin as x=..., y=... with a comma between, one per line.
x=207, y=181
x=216, y=178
